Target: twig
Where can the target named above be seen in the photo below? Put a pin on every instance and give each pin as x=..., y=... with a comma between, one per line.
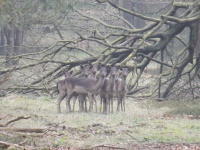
x=7, y=76
x=133, y=137
x=16, y=119
x=19, y=134
x=13, y=120
x=101, y=146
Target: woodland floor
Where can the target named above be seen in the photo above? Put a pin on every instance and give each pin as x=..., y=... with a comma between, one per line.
x=29, y=122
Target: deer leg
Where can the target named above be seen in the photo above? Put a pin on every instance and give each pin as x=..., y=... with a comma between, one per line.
x=118, y=102
x=61, y=97
x=80, y=104
x=101, y=103
x=74, y=103
x=83, y=103
x=111, y=102
x=108, y=104
x=69, y=96
x=123, y=101
x=104, y=105
x=85, y=100
x=95, y=101
x=80, y=99
x=91, y=102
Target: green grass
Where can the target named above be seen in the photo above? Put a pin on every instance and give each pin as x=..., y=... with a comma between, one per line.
x=185, y=107
x=146, y=121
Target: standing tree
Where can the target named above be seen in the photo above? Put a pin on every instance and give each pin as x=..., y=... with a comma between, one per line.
x=17, y=17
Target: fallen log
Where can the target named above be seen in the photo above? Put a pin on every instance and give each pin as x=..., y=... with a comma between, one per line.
x=7, y=145
x=36, y=130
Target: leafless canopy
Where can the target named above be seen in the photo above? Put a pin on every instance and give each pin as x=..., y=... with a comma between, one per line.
x=165, y=45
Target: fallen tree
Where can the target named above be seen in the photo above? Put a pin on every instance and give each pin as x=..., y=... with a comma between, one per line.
x=125, y=45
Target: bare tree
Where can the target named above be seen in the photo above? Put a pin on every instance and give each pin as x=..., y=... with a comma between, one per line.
x=115, y=44
x=134, y=6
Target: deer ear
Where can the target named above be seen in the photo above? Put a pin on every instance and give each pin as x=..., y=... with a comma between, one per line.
x=63, y=72
x=67, y=74
x=97, y=75
x=120, y=72
x=118, y=67
x=108, y=67
x=101, y=65
x=71, y=72
x=90, y=64
x=82, y=67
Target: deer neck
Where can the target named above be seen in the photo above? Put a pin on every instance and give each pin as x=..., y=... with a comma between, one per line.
x=99, y=83
x=112, y=82
x=92, y=75
x=122, y=84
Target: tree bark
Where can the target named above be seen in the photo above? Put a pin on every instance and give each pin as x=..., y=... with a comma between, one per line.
x=2, y=44
x=10, y=46
x=197, y=48
x=135, y=21
x=17, y=44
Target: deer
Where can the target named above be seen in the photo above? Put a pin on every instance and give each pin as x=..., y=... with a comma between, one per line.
x=62, y=89
x=102, y=95
x=111, y=88
x=82, y=97
x=93, y=71
x=107, y=91
x=121, y=89
x=81, y=85
x=89, y=71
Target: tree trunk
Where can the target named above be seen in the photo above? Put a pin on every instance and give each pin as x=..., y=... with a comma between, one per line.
x=135, y=21
x=17, y=44
x=116, y=2
x=197, y=48
x=128, y=5
x=2, y=52
x=10, y=46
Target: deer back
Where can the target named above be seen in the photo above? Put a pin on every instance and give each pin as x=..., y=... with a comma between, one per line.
x=61, y=84
x=85, y=85
x=80, y=84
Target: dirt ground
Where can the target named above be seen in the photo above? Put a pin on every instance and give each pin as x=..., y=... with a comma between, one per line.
x=28, y=122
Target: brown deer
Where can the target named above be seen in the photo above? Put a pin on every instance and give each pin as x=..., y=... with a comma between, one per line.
x=102, y=95
x=89, y=71
x=107, y=91
x=111, y=88
x=80, y=85
x=121, y=89
x=82, y=97
x=94, y=69
x=62, y=89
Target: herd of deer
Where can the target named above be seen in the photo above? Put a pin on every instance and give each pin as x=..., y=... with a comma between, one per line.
x=110, y=82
